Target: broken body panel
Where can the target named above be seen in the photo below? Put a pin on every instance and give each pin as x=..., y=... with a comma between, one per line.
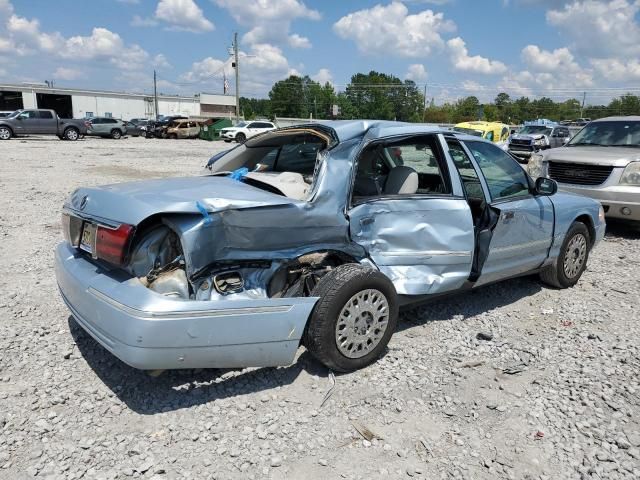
x=251, y=255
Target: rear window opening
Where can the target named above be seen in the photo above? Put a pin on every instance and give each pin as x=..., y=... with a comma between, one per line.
x=281, y=162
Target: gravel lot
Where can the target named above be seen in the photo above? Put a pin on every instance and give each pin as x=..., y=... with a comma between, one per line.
x=553, y=394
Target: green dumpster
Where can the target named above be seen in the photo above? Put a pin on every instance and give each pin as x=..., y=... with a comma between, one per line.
x=210, y=130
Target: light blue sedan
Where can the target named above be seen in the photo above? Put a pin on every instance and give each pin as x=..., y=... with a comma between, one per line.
x=310, y=235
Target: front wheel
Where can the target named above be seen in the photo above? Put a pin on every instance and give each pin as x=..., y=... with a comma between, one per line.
x=572, y=261
x=354, y=318
x=71, y=134
x=116, y=134
x=241, y=138
x=5, y=133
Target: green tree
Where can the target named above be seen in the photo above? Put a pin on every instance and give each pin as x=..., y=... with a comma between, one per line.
x=300, y=97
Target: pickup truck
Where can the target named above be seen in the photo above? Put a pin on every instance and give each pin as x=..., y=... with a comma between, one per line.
x=40, y=122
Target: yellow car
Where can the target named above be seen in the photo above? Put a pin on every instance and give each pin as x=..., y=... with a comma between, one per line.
x=493, y=131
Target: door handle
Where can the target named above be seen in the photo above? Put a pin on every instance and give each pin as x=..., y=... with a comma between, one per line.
x=367, y=221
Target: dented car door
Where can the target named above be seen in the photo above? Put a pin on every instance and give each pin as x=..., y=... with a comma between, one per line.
x=523, y=233
x=406, y=216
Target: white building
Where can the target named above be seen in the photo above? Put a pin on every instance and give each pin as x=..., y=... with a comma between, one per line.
x=78, y=103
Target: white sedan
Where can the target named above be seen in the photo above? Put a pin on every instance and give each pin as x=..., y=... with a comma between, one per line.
x=244, y=130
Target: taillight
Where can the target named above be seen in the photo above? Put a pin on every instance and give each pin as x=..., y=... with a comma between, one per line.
x=66, y=227
x=112, y=245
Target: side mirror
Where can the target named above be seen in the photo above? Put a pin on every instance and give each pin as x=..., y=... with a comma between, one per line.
x=19, y=118
x=546, y=186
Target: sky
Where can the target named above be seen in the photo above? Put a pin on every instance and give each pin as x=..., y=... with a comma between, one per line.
x=456, y=48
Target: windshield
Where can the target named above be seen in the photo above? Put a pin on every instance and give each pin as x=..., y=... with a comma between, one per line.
x=15, y=114
x=469, y=131
x=241, y=124
x=609, y=134
x=535, y=130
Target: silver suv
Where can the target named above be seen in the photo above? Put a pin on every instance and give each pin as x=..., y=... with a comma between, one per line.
x=602, y=162
x=106, y=127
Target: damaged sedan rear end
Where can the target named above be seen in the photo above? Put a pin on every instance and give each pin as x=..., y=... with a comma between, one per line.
x=312, y=235
x=207, y=271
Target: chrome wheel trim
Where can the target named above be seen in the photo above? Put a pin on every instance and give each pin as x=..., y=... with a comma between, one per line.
x=575, y=255
x=5, y=134
x=362, y=323
x=72, y=134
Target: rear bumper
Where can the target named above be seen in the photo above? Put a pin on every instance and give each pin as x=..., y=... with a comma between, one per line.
x=149, y=331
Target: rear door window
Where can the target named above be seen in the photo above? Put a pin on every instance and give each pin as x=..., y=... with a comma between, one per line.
x=45, y=115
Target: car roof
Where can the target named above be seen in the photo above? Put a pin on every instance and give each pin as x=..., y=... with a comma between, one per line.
x=632, y=118
x=350, y=129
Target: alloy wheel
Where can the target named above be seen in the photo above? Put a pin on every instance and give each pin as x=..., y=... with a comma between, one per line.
x=575, y=255
x=362, y=323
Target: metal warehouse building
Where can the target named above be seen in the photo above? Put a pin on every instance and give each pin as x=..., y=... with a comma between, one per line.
x=76, y=103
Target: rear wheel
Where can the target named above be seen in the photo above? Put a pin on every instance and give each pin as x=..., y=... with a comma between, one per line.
x=354, y=318
x=173, y=136
x=116, y=134
x=572, y=261
x=5, y=133
x=241, y=138
x=71, y=134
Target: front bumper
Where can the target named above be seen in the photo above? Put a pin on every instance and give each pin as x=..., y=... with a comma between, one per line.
x=618, y=201
x=228, y=135
x=149, y=331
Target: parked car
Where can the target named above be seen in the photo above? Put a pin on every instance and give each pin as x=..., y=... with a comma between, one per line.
x=136, y=129
x=5, y=114
x=40, y=122
x=139, y=121
x=183, y=129
x=602, y=162
x=533, y=138
x=493, y=131
x=245, y=130
x=158, y=129
x=106, y=127
x=276, y=248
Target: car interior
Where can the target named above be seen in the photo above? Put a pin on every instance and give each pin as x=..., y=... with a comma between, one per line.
x=401, y=167
x=282, y=162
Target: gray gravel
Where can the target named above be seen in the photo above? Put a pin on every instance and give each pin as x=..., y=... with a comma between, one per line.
x=512, y=381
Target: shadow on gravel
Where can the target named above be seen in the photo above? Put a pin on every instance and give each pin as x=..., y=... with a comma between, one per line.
x=621, y=229
x=470, y=303
x=178, y=389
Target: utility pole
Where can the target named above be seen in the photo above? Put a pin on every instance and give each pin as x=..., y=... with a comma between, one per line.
x=584, y=98
x=155, y=95
x=424, y=109
x=236, y=56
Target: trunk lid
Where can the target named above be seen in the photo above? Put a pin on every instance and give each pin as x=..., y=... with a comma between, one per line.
x=132, y=202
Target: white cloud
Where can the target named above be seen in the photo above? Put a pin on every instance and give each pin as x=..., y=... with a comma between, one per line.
x=183, y=15
x=476, y=64
x=270, y=20
x=391, y=29
x=160, y=61
x=557, y=67
x=138, y=21
x=416, y=72
x=297, y=41
x=323, y=76
x=617, y=70
x=63, y=73
x=260, y=68
x=600, y=28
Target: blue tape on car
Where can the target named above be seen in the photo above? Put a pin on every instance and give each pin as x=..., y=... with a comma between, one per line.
x=239, y=174
x=205, y=214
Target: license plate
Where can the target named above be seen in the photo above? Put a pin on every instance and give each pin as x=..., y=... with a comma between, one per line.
x=88, y=238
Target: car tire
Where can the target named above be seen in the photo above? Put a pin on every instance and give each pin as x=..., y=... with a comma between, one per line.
x=567, y=269
x=71, y=134
x=342, y=344
x=241, y=138
x=173, y=136
x=116, y=134
x=5, y=133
